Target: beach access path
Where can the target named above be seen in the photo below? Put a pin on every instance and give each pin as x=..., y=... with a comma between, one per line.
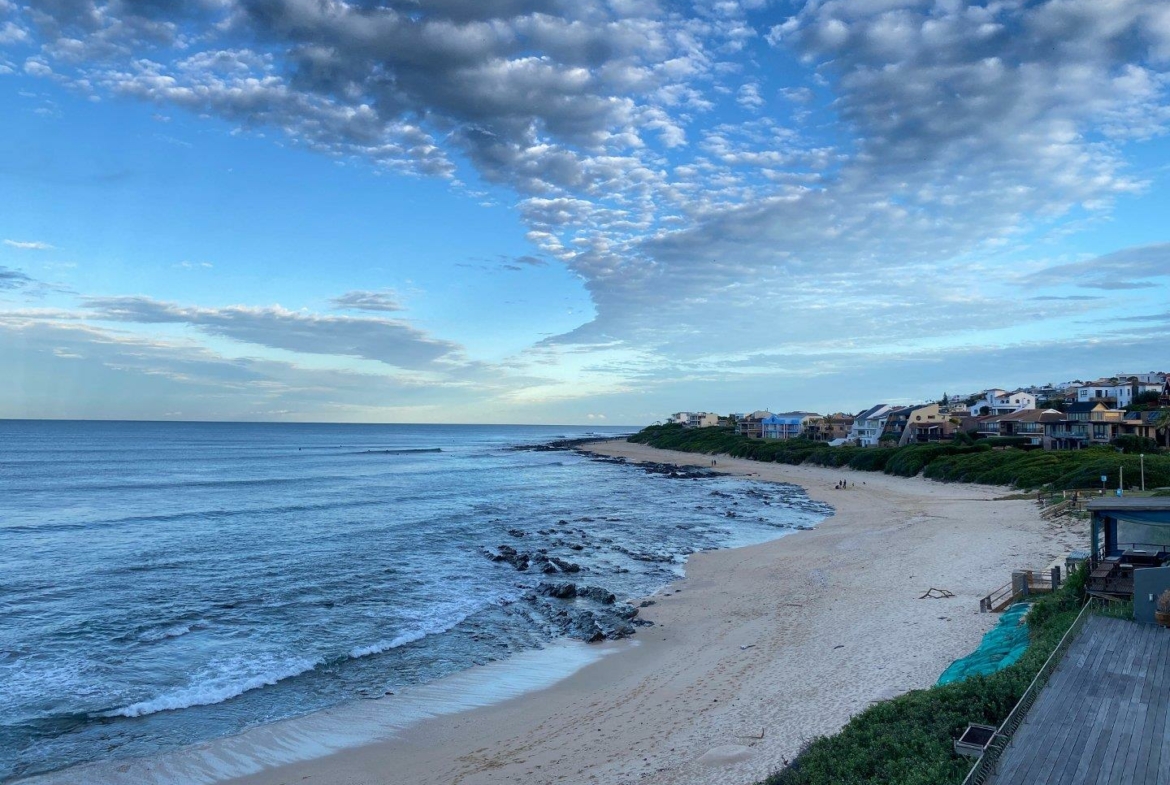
x=759, y=650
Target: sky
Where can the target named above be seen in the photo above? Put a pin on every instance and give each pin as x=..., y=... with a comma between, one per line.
x=574, y=211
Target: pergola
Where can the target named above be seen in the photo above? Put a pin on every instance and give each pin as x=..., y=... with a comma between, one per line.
x=1128, y=533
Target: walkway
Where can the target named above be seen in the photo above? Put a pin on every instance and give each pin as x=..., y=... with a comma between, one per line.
x=1102, y=718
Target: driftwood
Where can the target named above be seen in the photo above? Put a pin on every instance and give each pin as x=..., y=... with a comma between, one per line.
x=936, y=594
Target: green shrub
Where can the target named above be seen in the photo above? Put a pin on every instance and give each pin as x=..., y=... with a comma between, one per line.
x=979, y=462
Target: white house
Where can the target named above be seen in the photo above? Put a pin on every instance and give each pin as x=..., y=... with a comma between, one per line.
x=997, y=401
x=1120, y=394
x=868, y=426
x=695, y=419
x=1144, y=378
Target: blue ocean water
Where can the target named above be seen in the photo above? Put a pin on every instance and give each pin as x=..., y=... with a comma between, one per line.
x=168, y=583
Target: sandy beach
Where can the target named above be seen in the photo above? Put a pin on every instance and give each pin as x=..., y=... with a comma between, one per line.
x=757, y=651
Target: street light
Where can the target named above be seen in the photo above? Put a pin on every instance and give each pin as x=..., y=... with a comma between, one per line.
x=1142, y=456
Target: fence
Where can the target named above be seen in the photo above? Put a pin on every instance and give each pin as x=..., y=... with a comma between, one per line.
x=1023, y=583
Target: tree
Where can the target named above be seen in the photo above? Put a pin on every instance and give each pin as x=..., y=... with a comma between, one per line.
x=1161, y=425
x=1144, y=401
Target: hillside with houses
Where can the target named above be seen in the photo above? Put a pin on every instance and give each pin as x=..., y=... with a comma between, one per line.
x=1127, y=410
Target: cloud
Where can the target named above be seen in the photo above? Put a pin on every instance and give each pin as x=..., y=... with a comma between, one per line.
x=388, y=341
x=103, y=373
x=1129, y=268
x=385, y=301
x=1067, y=298
x=919, y=144
x=13, y=279
x=28, y=245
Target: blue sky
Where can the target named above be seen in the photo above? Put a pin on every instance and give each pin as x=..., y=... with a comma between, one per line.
x=598, y=211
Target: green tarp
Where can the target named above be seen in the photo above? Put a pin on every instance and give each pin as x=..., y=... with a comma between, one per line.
x=1001, y=646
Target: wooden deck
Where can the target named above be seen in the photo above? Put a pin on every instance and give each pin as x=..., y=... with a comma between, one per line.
x=1102, y=719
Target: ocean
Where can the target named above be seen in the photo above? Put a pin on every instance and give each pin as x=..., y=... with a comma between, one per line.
x=163, y=584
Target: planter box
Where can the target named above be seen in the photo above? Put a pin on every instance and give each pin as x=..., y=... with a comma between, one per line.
x=974, y=740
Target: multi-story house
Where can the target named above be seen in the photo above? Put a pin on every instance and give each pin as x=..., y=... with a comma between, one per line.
x=788, y=425
x=694, y=419
x=925, y=423
x=828, y=428
x=868, y=426
x=996, y=401
x=1119, y=393
x=752, y=425
x=1143, y=424
x=1083, y=425
x=1029, y=423
x=1145, y=378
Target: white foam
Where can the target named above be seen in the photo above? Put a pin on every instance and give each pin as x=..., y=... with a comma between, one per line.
x=436, y=627
x=214, y=689
x=344, y=727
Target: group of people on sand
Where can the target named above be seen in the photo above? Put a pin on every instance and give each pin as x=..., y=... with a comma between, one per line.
x=842, y=485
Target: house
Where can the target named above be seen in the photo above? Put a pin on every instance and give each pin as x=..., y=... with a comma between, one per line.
x=752, y=425
x=788, y=425
x=1146, y=424
x=868, y=426
x=830, y=427
x=983, y=427
x=1145, y=378
x=1029, y=423
x=1119, y=393
x=1082, y=425
x=996, y=401
x=694, y=419
x=925, y=423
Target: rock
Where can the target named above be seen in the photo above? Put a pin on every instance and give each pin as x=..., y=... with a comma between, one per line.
x=565, y=566
x=597, y=594
x=562, y=591
x=646, y=603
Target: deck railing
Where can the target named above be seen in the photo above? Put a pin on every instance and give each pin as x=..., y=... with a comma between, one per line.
x=1022, y=584
x=984, y=768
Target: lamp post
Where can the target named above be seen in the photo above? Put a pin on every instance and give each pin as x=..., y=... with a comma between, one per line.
x=1142, y=456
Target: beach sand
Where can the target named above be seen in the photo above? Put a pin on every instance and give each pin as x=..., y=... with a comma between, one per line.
x=757, y=651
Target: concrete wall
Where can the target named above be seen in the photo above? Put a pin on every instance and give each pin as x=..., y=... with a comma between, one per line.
x=1147, y=585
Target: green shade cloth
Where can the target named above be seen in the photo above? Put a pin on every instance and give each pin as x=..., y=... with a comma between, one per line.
x=1000, y=647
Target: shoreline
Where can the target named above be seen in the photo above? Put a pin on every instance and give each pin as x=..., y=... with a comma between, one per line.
x=755, y=652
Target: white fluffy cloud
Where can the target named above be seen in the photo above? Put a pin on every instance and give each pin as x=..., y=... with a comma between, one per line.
x=646, y=158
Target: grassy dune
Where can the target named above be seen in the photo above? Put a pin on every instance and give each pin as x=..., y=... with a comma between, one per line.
x=990, y=461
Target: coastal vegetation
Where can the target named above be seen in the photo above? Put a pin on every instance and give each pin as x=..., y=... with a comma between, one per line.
x=994, y=461
x=908, y=740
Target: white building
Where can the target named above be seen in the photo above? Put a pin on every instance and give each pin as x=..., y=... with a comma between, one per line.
x=1144, y=378
x=694, y=419
x=868, y=426
x=997, y=401
x=1120, y=395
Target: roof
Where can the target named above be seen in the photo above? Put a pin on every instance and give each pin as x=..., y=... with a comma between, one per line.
x=872, y=411
x=1130, y=503
x=1032, y=415
x=1085, y=406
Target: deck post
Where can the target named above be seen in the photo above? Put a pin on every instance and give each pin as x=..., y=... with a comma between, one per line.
x=1020, y=583
x=1056, y=577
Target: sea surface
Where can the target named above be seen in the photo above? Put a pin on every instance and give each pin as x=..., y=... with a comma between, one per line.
x=163, y=584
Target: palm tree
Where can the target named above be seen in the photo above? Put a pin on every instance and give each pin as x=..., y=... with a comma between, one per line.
x=1161, y=425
